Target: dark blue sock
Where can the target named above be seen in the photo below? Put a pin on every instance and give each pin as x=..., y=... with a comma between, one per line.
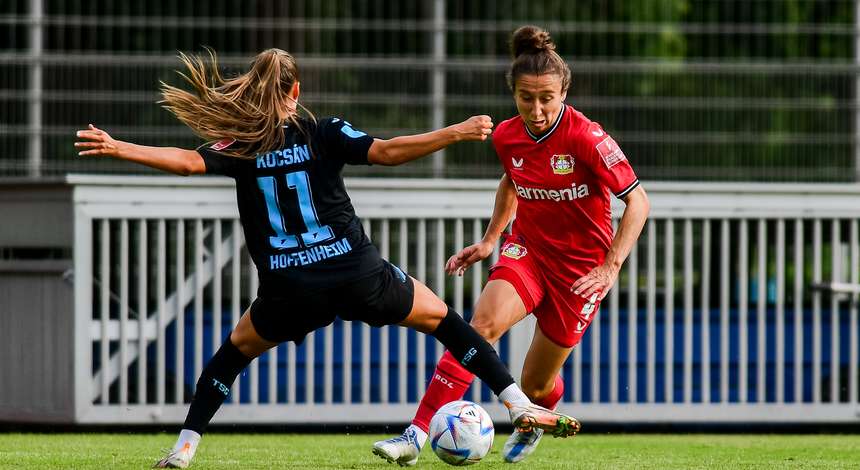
x=213, y=386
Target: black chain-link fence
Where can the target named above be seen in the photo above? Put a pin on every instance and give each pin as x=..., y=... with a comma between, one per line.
x=762, y=90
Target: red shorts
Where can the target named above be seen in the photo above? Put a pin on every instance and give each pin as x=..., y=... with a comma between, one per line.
x=561, y=315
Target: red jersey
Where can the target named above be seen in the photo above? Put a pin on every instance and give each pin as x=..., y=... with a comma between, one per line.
x=563, y=179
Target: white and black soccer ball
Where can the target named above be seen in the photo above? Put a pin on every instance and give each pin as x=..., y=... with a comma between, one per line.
x=461, y=433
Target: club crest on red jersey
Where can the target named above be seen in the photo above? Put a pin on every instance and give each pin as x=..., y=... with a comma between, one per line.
x=562, y=164
x=513, y=250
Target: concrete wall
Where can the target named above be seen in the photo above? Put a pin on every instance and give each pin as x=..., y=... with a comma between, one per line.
x=36, y=349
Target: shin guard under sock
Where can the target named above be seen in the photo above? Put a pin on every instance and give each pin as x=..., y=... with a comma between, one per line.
x=473, y=352
x=213, y=386
x=449, y=382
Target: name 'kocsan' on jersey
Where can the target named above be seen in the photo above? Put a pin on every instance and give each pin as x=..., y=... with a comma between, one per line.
x=299, y=223
x=562, y=179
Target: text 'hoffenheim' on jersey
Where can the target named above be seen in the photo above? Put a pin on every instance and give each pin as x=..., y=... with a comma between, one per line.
x=309, y=256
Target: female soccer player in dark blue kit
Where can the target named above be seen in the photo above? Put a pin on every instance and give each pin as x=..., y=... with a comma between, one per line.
x=301, y=230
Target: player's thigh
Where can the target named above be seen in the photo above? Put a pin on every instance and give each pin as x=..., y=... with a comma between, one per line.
x=499, y=308
x=543, y=362
x=427, y=309
x=246, y=339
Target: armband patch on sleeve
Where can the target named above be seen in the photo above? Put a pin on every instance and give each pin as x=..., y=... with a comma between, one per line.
x=350, y=132
x=222, y=144
x=610, y=152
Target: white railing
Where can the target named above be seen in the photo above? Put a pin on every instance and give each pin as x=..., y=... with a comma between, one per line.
x=722, y=325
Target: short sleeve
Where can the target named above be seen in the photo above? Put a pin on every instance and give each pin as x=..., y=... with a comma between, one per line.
x=608, y=162
x=344, y=142
x=498, y=151
x=216, y=162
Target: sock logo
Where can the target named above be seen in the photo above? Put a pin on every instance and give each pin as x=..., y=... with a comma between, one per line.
x=469, y=355
x=444, y=381
x=221, y=387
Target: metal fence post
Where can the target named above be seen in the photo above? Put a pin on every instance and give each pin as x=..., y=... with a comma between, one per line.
x=34, y=125
x=83, y=291
x=856, y=90
x=439, y=80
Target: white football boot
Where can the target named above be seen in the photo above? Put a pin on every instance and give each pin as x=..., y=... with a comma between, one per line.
x=521, y=444
x=403, y=449
x=177, y=458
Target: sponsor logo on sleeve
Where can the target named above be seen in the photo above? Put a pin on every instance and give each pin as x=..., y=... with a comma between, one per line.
x=610, y=152
x=222, y=144
x=518, y=164
x=514, y=251
x=562, y=164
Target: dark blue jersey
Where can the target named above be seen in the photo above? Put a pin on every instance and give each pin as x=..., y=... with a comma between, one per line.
x=299, y=223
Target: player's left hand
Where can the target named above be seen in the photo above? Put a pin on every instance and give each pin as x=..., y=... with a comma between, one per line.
x=96, y=142
x=598, y=281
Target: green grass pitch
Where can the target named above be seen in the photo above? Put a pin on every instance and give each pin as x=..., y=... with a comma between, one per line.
x=339, y=451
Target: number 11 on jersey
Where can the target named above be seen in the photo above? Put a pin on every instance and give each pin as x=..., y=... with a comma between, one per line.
x=315, y=233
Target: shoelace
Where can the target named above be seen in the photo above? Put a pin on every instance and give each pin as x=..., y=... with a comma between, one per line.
x=527, y=437
x=170, y=453
x=408, y=438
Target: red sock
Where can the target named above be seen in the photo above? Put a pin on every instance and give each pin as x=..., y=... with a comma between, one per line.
x=449, y=383
x=551, y=400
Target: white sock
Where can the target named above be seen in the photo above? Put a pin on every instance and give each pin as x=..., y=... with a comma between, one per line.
x=420, y=435
x=190, y=437
x=513, y=395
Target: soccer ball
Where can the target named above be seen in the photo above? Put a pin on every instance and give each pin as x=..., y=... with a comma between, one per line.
x=461, y=433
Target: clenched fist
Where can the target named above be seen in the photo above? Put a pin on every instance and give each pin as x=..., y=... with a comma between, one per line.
x=475, y=128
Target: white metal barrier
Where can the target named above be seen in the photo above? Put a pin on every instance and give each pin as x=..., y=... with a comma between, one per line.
x=712, y=319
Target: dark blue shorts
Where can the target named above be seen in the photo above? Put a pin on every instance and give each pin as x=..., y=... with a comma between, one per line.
x=384, y=298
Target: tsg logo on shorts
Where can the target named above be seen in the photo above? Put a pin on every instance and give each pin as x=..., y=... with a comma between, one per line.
x=512, y=250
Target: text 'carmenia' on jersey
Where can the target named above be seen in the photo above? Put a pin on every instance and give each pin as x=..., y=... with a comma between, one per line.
x=575, y=191
x=310, y=256
x=284, y=157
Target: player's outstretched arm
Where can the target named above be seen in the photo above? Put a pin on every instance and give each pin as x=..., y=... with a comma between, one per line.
x=503, y=211
x=98, y=143
x=399, y=150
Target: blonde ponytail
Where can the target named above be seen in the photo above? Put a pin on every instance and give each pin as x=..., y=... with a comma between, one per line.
x=247, y=108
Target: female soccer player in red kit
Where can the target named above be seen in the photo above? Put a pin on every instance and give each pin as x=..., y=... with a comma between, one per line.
x=561, y=258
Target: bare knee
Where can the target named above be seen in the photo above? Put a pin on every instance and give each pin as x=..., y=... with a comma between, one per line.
x=428, y=310
x=246, y=339
x=488, y=328
x=246, y=345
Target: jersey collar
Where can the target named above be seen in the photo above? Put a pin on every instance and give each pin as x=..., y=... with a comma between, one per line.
x=539, y=139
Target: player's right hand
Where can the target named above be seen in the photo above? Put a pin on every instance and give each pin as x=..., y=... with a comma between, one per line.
x=468, y=256
x=96, y=142
x=475, y=128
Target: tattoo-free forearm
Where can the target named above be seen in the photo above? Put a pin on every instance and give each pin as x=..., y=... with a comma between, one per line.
x=503, y=210
x=399, y=150
x=629, y=228
x=170, y=159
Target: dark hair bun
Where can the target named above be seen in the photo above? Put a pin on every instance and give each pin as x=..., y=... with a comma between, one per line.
x=530, y=40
